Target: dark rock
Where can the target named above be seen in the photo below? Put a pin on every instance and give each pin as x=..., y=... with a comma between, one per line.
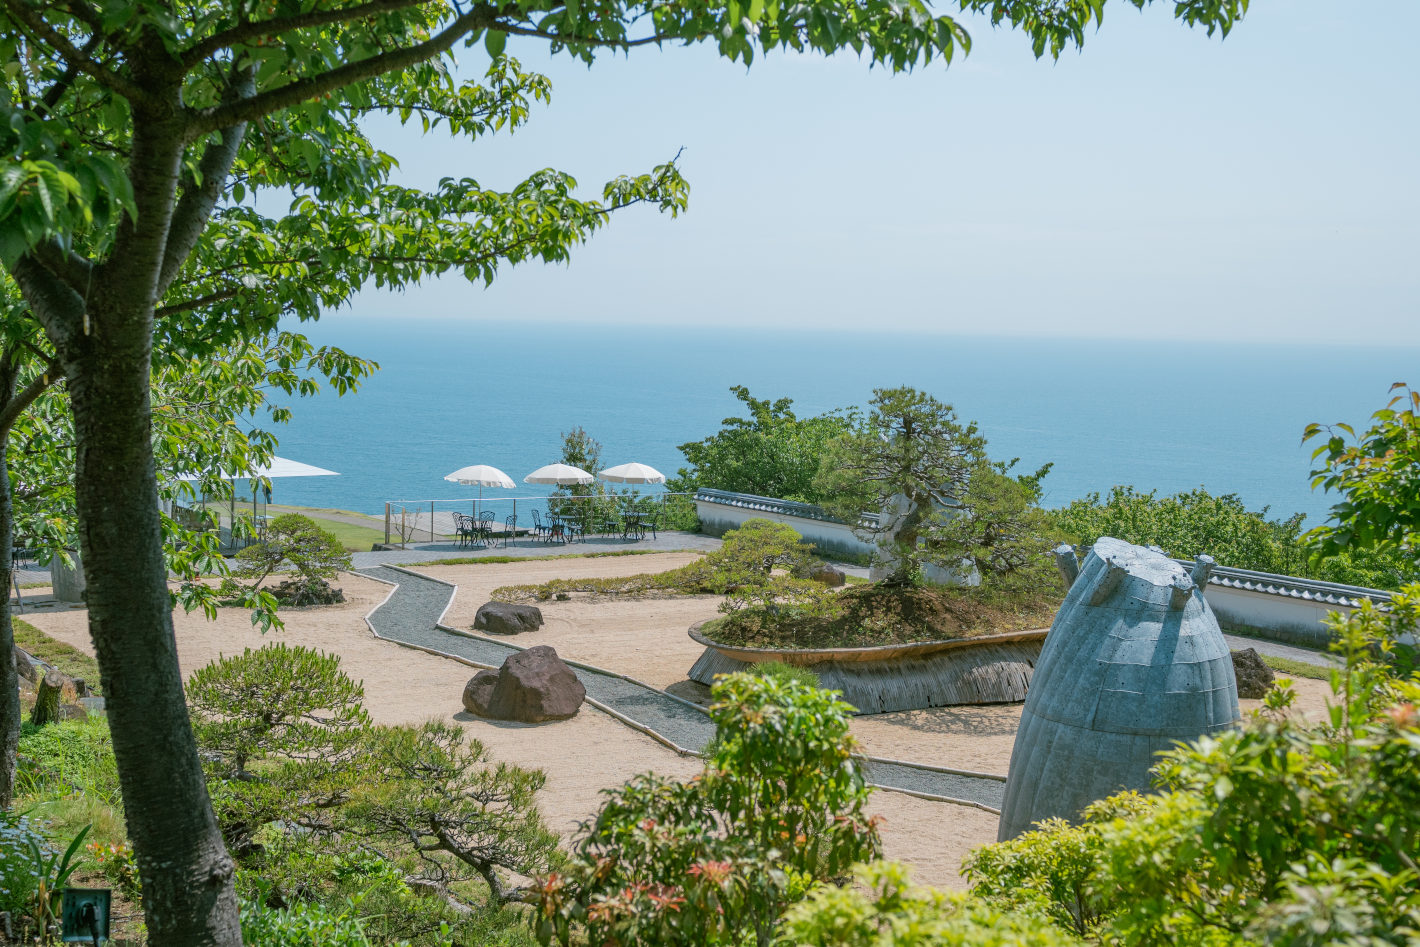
x=478, y=692
x=504, y=618
x=829, y=575
x=68, y=711
x=531, y=686
x=1254, y=677
x=28, y=667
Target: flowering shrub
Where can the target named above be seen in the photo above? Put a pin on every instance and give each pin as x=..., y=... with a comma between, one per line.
x=714, y=861
x=117, y=863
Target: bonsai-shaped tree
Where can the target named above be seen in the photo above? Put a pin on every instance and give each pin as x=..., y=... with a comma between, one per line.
x=939, y=498
x=287, y=743
x=294, y=541
x=281, y=729
x=762, y=568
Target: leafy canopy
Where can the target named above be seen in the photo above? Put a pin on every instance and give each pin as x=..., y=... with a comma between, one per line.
x=772, y=453
x=931, y=493
x=1377, y=473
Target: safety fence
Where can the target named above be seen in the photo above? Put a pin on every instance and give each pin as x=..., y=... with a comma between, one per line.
x=432, y=521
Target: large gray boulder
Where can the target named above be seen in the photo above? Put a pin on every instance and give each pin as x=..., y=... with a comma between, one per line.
x=829, y=575
x=504, y=618
x=1254, y=678
x=531, y=686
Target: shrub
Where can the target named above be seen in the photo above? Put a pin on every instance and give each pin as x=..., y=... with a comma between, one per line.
x=782, y=672
x=717, y=859
x=32, y=872
x=279, y=727
x=1279, y=830
x=884, y=910
x=296, y=542
x=1195, y=521
x=301, y=925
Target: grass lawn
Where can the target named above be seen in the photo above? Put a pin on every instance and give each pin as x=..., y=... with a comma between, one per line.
x=353, y=538
x=1291, y=668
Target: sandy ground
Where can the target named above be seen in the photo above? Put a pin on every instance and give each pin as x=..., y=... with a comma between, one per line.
x=581, y=756
x=647, y=640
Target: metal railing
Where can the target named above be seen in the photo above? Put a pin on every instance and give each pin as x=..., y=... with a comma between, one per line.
x=417, y=521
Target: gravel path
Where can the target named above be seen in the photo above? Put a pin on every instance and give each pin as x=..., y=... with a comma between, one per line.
x=411, y=616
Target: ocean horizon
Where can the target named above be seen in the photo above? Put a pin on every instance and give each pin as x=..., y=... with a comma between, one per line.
x=1160, y=415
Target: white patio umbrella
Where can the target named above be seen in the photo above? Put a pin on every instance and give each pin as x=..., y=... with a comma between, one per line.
x=560, y=474
x=480, y=476
x=632, y=473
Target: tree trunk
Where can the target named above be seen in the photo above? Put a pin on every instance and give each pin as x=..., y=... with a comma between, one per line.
x=9, y=680
x=188, y=893
x=47, y=695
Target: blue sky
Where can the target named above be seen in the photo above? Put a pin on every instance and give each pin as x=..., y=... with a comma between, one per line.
x=1158, y=184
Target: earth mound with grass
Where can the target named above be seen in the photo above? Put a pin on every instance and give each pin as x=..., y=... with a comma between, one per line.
x=868, y=616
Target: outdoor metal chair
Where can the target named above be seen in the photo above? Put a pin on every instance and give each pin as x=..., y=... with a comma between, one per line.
x=463, y=529
x=541, y=530
x=510, y=529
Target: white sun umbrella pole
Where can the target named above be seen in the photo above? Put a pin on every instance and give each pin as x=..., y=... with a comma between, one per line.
x=481, y=475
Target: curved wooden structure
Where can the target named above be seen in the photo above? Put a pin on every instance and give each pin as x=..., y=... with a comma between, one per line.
x=1134, y=663
x=995, y=669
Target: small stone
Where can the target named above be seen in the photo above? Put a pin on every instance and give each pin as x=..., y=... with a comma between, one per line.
x=478, y=692
x=504, y=618
x=1254, y=678
x=830, y=576
x=531, y=686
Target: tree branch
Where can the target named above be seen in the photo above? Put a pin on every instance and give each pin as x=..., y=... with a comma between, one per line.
x=204, y=121
x=252, y=29
x=26, y=397
x=56, y=305
x=195, y=206
x=34, y=21
x=71, y=71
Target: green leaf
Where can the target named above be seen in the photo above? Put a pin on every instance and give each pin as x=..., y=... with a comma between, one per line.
x=494, y=41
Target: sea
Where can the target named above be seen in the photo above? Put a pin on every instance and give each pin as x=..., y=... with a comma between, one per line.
x=1160, y=415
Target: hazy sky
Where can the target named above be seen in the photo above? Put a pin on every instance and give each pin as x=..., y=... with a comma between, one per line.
x=1159, y=184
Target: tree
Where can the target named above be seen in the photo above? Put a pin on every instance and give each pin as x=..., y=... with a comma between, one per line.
x=772, y=453
x=717, y=859
x=130, y=122
x=287, y=741
x=1378, y=475
x=200, y=406
x=939, y=498
x=314, y=554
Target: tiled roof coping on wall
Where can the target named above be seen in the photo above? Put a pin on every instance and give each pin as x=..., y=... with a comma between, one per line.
x=1267, y=583
x=748, y=501
x=1325, y=593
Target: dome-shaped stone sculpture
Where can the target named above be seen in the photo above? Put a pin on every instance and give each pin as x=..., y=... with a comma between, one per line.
x=1133, y=663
